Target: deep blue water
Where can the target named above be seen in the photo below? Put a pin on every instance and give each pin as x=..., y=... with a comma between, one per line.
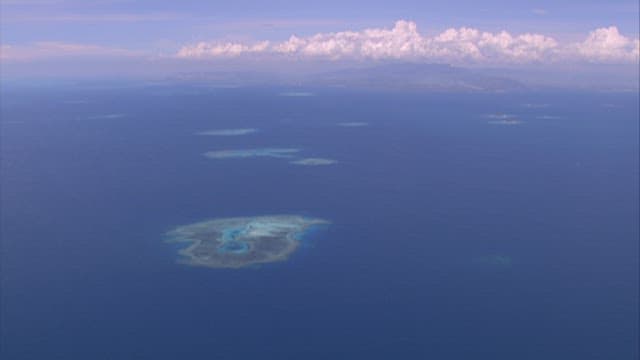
x=424, y=202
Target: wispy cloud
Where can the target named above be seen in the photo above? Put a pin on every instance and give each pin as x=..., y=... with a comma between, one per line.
x=19, y=3
x=404, y=42
x=258, y=24
x=31, y=2
x=73, y=17
x=54, y=49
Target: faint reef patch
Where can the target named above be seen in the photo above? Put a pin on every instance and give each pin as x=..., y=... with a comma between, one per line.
x=297, y=94
x=505, y=122
x=495, y=260
x=314, y=162
x=353, y=124
x=242, y=241
x=249, y=153
x=535, y=106
x=503, y=119
x=75, y=102
x=106, y=116
x=228, y=132
x=500, y=116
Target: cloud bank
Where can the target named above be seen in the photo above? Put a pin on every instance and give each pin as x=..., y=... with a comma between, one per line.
x=404, y=42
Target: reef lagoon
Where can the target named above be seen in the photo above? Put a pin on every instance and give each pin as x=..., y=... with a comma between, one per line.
x=248, y=153
x=241, y=241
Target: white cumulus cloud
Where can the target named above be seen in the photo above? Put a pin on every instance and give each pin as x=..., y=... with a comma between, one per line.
x=471, y=44
x=402, y=41
x=205, y=49
x=405, y=42
x=608, y=45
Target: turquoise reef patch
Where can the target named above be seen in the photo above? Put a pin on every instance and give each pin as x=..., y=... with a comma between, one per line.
x=242, y=241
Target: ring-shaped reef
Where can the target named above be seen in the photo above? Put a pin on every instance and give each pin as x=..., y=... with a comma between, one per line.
x=241, y=241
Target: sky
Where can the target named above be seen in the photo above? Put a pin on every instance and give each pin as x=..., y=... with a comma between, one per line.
x=40, y=36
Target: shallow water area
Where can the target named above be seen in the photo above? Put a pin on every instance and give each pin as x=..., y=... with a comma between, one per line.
x=240, y=242
x=314, y=162
x=250, y=153
x=228, y=132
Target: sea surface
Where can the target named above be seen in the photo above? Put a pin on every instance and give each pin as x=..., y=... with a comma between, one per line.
x=454, y=234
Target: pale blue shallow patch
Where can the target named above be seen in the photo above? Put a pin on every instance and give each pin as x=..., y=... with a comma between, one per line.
x=106, y=116
x=314, y=162
x=498, y=260
x=353, y=124
x=248, y=153
x=228, y=132
x=535, y=106
x=505, y=122
x=500, y=116
x=297, y=94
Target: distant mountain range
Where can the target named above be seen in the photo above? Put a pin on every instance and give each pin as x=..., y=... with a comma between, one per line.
x=418, y=77
x=397, y=76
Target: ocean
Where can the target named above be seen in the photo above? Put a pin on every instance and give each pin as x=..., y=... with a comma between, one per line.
x=463, y=226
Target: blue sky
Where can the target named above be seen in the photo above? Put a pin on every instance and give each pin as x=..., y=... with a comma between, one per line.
x=137, y=23
x=567, y=31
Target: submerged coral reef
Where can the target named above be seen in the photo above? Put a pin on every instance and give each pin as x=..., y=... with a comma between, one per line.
x=228, y=132
x=353, y=124
x=247, y=153
x=314, y=161
x=241, y=241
